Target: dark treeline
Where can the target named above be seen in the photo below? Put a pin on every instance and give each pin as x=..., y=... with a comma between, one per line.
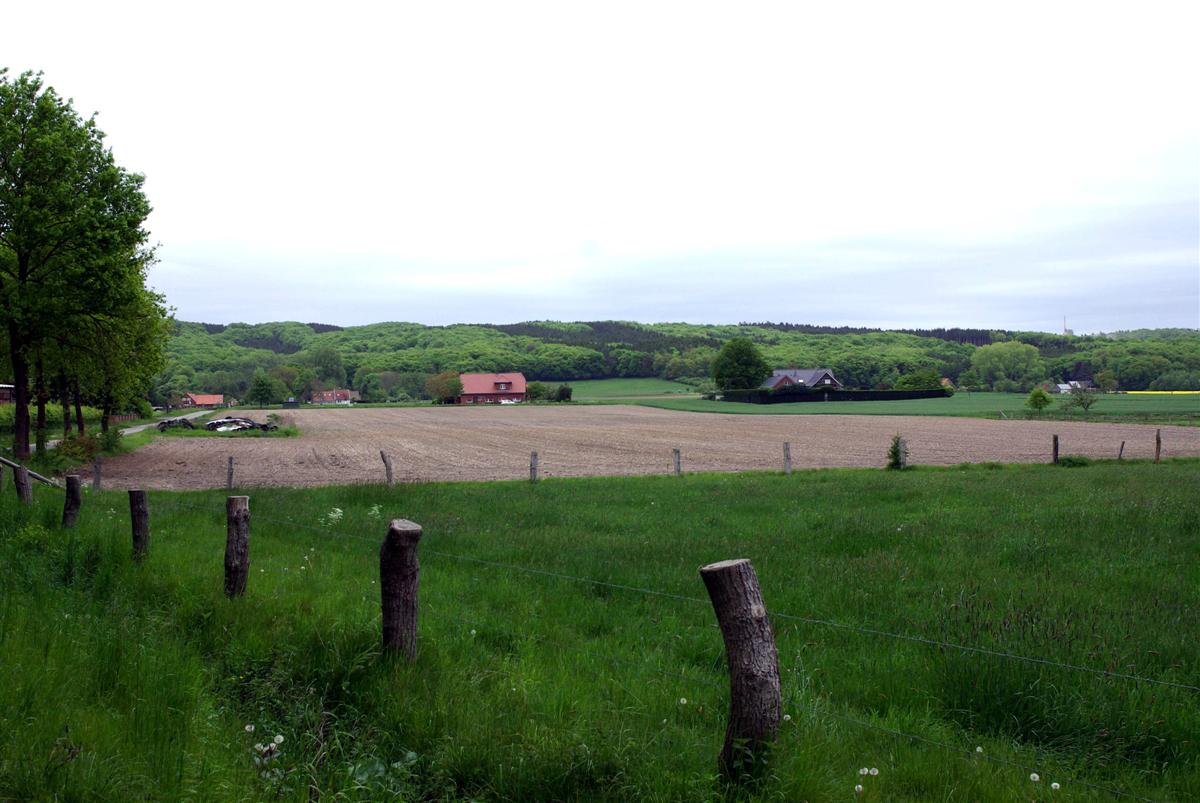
x=974, y=337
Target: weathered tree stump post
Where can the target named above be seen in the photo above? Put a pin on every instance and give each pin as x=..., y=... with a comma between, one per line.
x=533, y=467
x=237, y=545
x=676, y=460
x=787, y=458
x=73, y=501
x=903, y=457
x=229, y=475
x=96, y=467
x=1121, y=453
x=1054, y=450
x=23, y=486
x=387, y=468
x=754, y=697
x=139, y=517
x=399, y=579
x=1, y=478
x=1157, y=445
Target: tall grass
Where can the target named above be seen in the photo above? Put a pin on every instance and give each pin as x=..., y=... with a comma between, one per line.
x=125, y=681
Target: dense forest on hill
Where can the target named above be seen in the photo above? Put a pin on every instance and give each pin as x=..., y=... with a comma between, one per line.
x=393, y=360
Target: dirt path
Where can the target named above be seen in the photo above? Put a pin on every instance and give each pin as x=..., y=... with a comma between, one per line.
x=489, y=443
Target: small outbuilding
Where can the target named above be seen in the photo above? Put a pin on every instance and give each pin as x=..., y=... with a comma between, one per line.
x=202, y=400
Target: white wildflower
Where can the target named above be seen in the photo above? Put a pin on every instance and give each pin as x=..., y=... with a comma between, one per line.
x=978, y=749
x=278, y=739
x=1033, y=776
x=863, y=771
x=787, y=717
x=874, y=770
x=1055, y=786
x=858, y=789
x=683, y=701
x=249, y=729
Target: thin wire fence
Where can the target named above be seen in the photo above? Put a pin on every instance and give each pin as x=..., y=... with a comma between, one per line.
x=778, y=616
x=676, y=676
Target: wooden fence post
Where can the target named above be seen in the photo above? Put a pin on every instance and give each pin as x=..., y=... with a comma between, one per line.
x=787, y=458
x=1054, y=450
x=387, y=468
x=96, y=472
x=533, y=467
x=676, y=460
x=73, y=501
x=1157, y=445
x=1121, y=453
x=399, y=579
x=903, y=454
x=23, y=486
x=1, y=477
x=229, y=475
x=237, y=545
x=755, y=702
x=139, y=517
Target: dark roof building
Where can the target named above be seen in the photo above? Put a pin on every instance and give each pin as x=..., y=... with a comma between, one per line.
x=806, y=377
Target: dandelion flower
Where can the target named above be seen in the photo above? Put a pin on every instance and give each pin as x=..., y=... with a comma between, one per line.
x=1033, y=776
x=1055, y=786
x=787, y=717
x=278, y=738
x=858, y=789
x=249, y=729
x=978, y=749
x=874, y=770
x=472, y=631
x=863, y=771
x=683, y=701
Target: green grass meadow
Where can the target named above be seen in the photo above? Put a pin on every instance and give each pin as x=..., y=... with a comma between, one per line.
x=595, y=389
x=123, y=681
x=1115, y=407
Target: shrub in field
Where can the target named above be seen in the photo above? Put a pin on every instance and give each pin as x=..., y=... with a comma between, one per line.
x=80, y=448
x=1081, y=398
x=897, y=456
x=1038, y=400
x=1074, y=461
x=563, y=394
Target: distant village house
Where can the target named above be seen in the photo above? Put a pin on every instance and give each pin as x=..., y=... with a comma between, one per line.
x=202, y=400
x=492, y=388
x=336, y=396
x=6, y=394
x=804, y=377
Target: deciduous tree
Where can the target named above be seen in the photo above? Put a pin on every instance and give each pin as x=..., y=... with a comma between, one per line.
x=739, y=365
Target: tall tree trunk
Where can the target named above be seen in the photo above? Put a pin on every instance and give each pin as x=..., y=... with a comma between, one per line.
x=105, y=412
x=41, y=396
x=78, y=409
x=64, y=396
x=20, y=369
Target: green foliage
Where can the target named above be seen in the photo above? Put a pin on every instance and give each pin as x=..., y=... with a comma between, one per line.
x=1081, y=398
x=1177, y=380
x=1008, y=367
x=265, y=390
x=536, y=391
x=921, y=379
x=1038, y=400
x=897, y=454
x=563, y=393
x=739, y=366
x=445, y=387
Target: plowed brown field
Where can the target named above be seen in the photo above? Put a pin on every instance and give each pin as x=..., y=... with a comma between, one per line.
x=341, y=446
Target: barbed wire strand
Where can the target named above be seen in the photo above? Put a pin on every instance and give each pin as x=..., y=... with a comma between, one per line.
x=966, y=648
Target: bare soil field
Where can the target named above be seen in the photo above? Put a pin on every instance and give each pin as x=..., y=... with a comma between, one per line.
x=342, y=446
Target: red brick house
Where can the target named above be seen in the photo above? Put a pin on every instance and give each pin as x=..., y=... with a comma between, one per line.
x=202, y=400
x=492, y=388
x=336, y=396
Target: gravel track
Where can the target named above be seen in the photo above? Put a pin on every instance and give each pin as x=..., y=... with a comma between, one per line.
x=341, y=446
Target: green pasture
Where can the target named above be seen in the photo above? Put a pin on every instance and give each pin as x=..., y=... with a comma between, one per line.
x=126, y=681
x=1110, y=407
x=593, y=389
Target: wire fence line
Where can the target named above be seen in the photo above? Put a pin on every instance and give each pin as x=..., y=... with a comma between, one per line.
x=676, y=676
x=779, y=616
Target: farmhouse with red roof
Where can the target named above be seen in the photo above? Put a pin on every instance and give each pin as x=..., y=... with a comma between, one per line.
x=492, y=388
x=202, y=400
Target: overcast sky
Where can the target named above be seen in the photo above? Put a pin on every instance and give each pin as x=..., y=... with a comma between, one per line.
x=901, y=164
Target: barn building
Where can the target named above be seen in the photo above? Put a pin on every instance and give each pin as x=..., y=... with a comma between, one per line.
x=492, y=388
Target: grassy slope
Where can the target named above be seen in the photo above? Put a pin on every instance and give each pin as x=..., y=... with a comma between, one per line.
x=135, y=681
x=1116, y=407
